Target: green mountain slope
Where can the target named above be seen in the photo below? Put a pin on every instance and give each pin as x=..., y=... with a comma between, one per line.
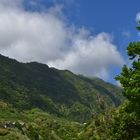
x=35, y=125
x=59, y=92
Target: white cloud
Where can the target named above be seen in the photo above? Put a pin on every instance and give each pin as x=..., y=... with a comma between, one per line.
x=126, y=34
x=91, y=55
x=119, y=84
x=138, y=17
x=46, y=37
x=31, y=36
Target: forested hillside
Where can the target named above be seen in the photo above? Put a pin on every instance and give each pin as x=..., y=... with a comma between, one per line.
x=59, y=92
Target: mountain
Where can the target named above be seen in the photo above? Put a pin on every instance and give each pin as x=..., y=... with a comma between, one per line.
x=35, y=124
x=59, y=92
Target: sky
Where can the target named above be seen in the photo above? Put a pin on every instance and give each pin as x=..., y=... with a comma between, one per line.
x=87, y=37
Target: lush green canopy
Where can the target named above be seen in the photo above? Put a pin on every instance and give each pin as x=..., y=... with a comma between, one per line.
x=130, y=76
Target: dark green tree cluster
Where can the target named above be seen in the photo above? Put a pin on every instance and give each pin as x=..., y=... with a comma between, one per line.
x=127, y=121
x=130, y=76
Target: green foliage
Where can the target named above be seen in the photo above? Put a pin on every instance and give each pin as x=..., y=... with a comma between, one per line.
x=3, y=132
x=130, y=76
x=35, y=85
x=127, y=125
x=36, y=125
x=33, y=133
x=117, y=124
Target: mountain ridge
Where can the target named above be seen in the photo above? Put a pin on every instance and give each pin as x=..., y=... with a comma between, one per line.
x=60, y=92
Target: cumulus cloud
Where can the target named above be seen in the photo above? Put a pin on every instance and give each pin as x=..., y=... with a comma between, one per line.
x=46, y=37
x=90, y=55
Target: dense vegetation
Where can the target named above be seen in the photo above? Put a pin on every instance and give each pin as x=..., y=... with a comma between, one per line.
x=42, y=103
x=128, y=125
x=122, y=123
x=35, y=125
x=62, y=93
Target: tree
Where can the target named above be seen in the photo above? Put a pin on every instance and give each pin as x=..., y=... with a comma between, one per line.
x=130, y=76
x=127, y=121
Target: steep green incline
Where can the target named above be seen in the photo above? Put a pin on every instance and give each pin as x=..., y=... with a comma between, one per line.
x=59, y=92
x=35, y=125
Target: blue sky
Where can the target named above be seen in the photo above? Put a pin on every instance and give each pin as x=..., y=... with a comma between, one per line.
x=108, y=16
x=88, y=37
x=114, y=17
